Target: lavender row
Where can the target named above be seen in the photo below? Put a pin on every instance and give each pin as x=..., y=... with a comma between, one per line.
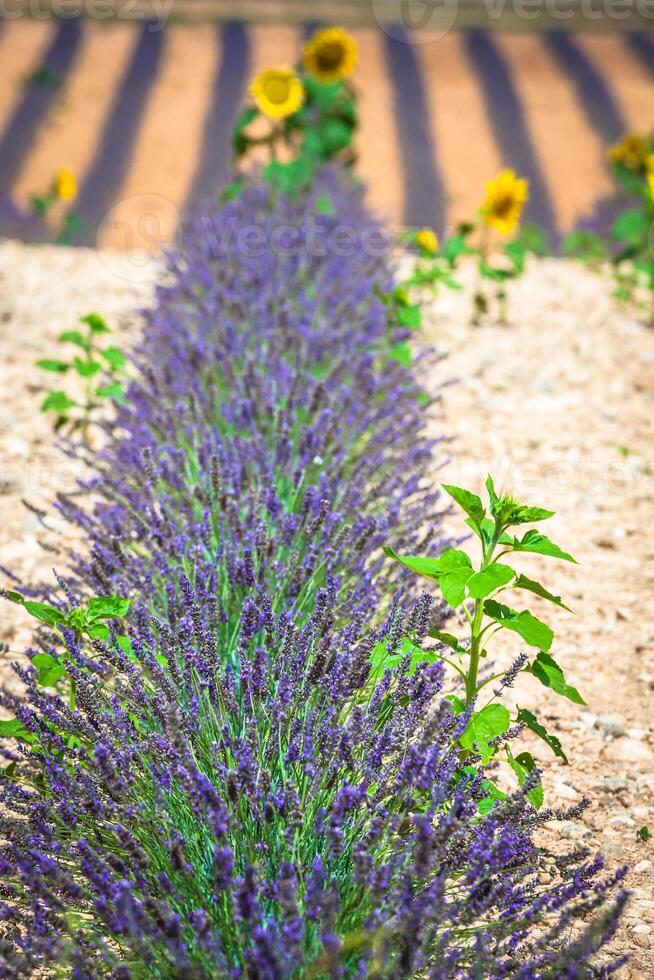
x=223, y=787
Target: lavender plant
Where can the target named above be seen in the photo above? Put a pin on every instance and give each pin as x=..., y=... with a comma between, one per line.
x=270, y=822
x=476, y=591
x=235, y=791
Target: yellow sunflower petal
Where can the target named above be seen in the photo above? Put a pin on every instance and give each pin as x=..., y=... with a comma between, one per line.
x=65, y=185
x=506, y=196
x=631, y=151
x=427, y=239
x=330, y=55
x=278, y=92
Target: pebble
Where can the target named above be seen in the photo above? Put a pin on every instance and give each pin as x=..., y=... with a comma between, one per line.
x=614, y=784
x=629, y=750
x=642, y=867
x=564, y=791
x=612, y=725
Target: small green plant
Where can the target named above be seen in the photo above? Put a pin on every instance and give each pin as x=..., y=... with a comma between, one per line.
x=476, y=590
x=628, y=251
x=497, y=266
x=434, y=266
x=49, y=206
x=99, y=369
x=87, y=620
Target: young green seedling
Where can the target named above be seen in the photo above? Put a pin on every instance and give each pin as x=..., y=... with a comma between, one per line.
x=476, y=590
x=98, y=368
x=88, y=620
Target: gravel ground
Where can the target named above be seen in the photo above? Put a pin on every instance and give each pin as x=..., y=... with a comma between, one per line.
x=558, y=405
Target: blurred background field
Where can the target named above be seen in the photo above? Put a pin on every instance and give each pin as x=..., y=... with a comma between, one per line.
x=141, y=111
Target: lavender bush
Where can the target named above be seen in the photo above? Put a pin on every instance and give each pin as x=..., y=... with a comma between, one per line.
x=218, y=785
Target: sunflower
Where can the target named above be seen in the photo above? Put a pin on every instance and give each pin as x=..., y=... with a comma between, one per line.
x=427, y=240
x=506, y=195
x=631, y=152
x=278, y=92
x=650, y=184
x=330, y=55
x=65, y=185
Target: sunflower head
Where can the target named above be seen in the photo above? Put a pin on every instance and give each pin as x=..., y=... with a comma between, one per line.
x=65, y=185
x=506, y=196
x=427, y=240
x=650, y=184
x=330, y=55
x=278, y=92
x=631, y=152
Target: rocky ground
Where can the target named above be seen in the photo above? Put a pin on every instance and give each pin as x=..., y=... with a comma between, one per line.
x=558, y=405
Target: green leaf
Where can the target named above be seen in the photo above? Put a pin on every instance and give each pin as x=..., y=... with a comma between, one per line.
x=469, y=502
x=537, y=543
x=49, y=669
x=493, y=795
x=484, y=726
x=447, y=638
x=529, y=719
x=12, y=728
x=409, y=316
x=494, y=577
x=324, y=205
x=125, y=645
x=458, y=705
x=494, y=274
x=522, y=765
x=96, y=323
x=632, y=227
x=112, y=390
x=455, y=247
x=451, y=570
x=98, y=631
x=86, y=369
x=401, y=353
x=429, y=567
x=586, y=246
x=75, y=337
x=114, y=358
x=522, y=582
x=45, y=613
x=14, y=597
x=643, y=833
x=548, y=672
x=57, y=401
x=382, y=660
x=289, y=177
x=232, y=190
x=529, y=515
x=492, y=495
x=57, y=367
x=456, y=570
x=533, y=631
x=107, y=607
x=516, y=253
